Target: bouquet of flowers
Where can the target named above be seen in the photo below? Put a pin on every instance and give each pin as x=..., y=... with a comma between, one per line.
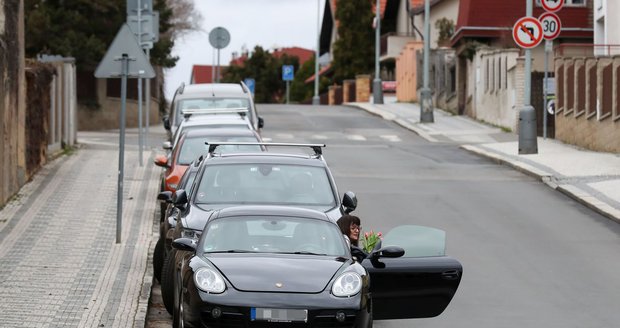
x=371, y=239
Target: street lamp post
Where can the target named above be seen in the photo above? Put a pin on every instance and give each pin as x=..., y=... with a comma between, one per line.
x=377, y=88
x=316, y=100
x=426, y=101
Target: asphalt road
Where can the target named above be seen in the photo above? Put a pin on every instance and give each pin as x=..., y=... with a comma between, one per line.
x=532, y=257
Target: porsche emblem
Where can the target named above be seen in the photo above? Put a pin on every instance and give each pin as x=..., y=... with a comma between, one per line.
x=279, y=284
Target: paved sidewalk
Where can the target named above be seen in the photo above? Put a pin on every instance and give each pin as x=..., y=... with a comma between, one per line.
x=59, y=263
x=592, y=178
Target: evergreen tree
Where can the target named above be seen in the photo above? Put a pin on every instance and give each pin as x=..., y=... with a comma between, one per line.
x=302, y=91
x=266, y=70
x=354, y=49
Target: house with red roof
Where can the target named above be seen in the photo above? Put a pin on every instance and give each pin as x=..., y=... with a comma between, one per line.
x=490, y=66
x=202, y=74
x=396, y=27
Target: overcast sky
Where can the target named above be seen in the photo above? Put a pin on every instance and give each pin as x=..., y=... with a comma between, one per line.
x=268, y=23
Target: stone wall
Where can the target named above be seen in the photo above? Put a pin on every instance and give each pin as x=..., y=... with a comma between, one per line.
x=362, y=88
x=588, y=102
x=12, y=99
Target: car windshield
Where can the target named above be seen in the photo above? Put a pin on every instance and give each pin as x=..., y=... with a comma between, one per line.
x=211, y=103
x=278, y=234
x=265, y=183
x=194, y=147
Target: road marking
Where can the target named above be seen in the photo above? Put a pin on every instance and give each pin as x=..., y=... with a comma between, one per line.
x=391, y=138
x=319, y=137
x=356, y=137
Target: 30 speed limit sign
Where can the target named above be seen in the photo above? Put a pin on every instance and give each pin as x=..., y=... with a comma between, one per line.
x=551, y=25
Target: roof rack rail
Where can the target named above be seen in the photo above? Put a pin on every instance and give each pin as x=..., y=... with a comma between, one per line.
x=244, y=87
x=317, y=148
x=213, y=111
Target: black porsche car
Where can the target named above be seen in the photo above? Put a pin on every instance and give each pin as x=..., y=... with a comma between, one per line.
x=275, y=266
x=287, y=174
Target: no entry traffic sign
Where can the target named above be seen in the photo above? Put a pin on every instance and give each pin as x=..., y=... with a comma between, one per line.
x=527, y=32
x=552, y=5
x=551, y=25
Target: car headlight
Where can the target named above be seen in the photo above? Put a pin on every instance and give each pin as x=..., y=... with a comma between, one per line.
x=209, y=280
x=347, y=284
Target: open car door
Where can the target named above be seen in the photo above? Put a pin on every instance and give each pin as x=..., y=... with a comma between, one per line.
x=420, y=283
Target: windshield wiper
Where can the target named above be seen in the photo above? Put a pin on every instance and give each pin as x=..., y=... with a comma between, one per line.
x=302, y=253
x=232, y=251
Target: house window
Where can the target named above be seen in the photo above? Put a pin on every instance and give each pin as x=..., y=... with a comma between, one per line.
x=568, y=3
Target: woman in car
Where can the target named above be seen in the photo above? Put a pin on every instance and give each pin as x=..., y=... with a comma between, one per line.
x=350, y=225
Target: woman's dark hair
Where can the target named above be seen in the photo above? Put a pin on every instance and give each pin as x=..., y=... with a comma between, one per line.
x=345, y=223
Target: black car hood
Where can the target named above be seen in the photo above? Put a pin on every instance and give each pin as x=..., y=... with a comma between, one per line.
x=298, y=273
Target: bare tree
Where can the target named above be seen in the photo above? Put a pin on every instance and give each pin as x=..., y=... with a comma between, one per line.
x=184, y=18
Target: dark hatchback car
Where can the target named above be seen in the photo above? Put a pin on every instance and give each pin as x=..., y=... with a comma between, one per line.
x=267, y=178
x=273, y=266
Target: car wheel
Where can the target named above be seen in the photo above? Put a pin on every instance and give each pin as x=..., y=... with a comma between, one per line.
x=158, y=259
x=162, y=211
x=179, y=310
x=167, y=283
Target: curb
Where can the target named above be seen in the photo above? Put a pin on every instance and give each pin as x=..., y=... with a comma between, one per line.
x=571, y=191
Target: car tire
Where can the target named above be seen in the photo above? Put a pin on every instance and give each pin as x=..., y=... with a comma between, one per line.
x=158, y=259
x=177, y=316
x=167, y=283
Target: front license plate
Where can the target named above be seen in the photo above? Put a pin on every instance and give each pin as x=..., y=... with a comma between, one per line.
x=278, y=315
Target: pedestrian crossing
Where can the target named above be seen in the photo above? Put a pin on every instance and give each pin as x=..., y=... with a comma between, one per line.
x=289, y=137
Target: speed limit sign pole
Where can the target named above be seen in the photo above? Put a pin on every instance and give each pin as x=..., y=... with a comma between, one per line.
x=551, y=26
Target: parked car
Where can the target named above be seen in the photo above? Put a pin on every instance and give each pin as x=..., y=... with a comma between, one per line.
x=267, y=266
x=169, y=217
x=214, y=96
x=192, y=144
x=221, y=119
x=259, y=178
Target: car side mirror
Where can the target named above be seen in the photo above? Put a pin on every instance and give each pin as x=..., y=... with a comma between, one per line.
x=349, y=201
x=387, y=251
x=184, y=244
x=161, y=160
x=166, y=121
x=165, y=196
x=261, y=122
x=180, y=198
x=167, y=145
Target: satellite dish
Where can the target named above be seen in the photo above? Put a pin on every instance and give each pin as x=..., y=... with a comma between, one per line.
x=219, y=38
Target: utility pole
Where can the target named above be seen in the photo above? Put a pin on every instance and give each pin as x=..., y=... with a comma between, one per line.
x=377, y=88
x=426, y=100
x=527, y=115
x=316, y=100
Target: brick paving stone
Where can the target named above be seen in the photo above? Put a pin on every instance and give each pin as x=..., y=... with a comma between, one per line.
x=59, y=263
